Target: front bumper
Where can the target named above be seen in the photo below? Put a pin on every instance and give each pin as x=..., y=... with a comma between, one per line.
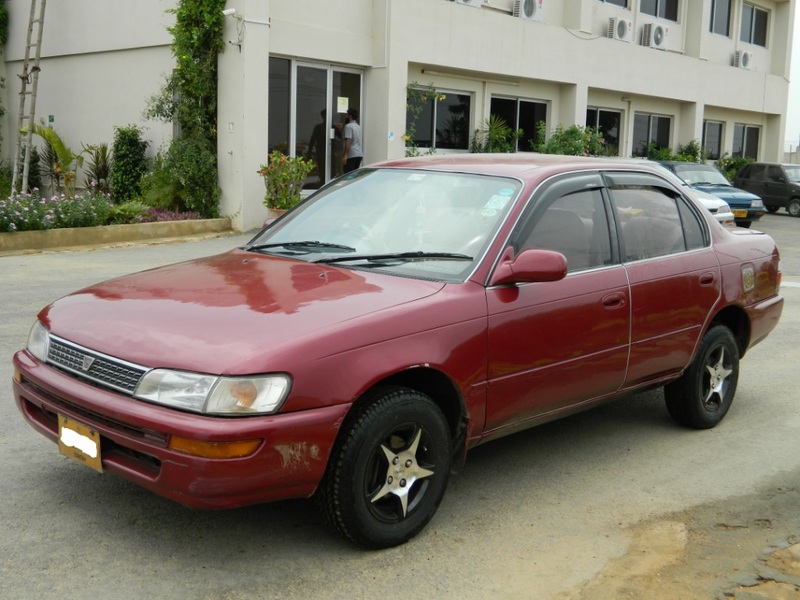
x=134, y=441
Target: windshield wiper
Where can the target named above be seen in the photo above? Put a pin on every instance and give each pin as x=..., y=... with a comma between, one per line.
x=709, y=183
x=311, y=245
x=401, y=256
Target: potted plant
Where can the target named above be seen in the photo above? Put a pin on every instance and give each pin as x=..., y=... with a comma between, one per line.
x=283, y=177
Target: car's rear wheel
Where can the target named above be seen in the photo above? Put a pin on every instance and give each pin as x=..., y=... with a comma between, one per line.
x=703, y=395
x=793, y=208
x=773, y=209
x=388, y=471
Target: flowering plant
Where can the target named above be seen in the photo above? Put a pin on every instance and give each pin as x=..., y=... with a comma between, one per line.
x=283, y=177
x=33, y=211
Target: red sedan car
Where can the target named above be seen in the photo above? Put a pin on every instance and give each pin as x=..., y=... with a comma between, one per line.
x=358, y=347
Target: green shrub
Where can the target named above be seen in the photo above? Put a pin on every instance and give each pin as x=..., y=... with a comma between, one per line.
x=130, y=211
x=575, y=140
x=159, y=187
x=184, y=178
x=495, y=136
x=5, y=180
x=98, y=171
x=129, y=162
x=730, y=165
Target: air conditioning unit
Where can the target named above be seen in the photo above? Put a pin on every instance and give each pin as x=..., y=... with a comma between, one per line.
x=743, y=59
x=529, y=9
x=655, y=36
x=620, y=29
x=473, y=3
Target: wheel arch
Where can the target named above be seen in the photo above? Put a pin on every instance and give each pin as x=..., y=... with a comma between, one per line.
x=735, y=319
x=436, y=385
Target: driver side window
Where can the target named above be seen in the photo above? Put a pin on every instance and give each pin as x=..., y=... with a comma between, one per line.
x=576, y=226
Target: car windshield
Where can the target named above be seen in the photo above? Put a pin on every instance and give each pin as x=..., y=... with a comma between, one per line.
x=695, y=174
x=407, y=222
x=793, y=173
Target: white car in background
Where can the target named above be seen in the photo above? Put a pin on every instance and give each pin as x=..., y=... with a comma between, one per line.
x=718, y=207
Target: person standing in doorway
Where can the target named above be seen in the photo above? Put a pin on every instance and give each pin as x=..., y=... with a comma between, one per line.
x=353, y=154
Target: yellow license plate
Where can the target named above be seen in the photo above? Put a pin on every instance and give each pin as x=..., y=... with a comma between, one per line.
x=740, y=213
x=79, y=442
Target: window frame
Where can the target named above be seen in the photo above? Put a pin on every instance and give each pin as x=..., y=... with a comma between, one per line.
x=663, y=9
x=752, y=35
x=713, y=153
x=744, y=133
x=438, y=95
x=596, y=124
x=518, y=101
x=653, y=119
x=715, y=20
x=620, y=3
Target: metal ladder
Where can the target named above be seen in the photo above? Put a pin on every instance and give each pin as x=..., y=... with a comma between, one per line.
x=27, y=114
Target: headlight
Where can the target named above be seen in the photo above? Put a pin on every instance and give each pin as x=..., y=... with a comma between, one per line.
x=757, y=203
x=208, y=394
x=39, y=341
x=724, y=208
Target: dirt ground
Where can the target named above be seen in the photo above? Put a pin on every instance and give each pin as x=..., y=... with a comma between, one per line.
x=732, y=550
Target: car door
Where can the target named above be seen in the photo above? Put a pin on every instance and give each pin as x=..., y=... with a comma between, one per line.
x=674, y=274
x=557, y=344
x=753, y=180
x=776, y=187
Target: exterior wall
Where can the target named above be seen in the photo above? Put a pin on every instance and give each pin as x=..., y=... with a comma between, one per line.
x=102, y=60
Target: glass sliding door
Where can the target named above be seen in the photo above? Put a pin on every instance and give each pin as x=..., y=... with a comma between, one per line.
x=311, y=125
x=346, y=94
x=308, y=103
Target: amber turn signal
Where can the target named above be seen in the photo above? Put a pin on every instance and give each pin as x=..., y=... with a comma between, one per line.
x=235, y=449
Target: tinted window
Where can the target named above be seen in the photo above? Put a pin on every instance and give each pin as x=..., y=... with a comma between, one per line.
x=775, y=174
x=575, y=225
x=693, y=231
x=756, y=172
x=650, y=222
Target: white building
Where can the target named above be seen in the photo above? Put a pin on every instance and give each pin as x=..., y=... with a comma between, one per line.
x=669, y=71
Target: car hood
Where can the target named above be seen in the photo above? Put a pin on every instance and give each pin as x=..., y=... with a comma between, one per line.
x=728, y=193
x=215, y=314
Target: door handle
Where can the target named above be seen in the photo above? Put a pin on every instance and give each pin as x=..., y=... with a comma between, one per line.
x=614, y=300
x=707, y=279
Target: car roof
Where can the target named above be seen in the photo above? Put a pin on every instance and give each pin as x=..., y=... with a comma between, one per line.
x=522, y=164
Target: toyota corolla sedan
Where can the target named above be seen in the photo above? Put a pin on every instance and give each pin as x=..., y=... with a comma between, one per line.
x=359, y=346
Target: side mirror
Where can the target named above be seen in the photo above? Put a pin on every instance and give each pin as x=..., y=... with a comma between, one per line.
x=530, y=266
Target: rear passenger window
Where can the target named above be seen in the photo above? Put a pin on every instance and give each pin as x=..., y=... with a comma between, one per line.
x=651, y=223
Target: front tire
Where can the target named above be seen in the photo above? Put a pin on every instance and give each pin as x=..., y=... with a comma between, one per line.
x=702, y=396
x=793, y=208
x=388, y=470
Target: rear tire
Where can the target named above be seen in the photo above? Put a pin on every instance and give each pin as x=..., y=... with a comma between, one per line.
x=702, y=396
x=773, y=209
x=388, y=470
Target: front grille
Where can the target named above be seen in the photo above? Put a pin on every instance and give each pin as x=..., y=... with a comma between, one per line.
x=98, y=368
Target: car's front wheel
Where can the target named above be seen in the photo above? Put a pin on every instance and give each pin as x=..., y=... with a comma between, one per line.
x=388, y=471
x=793, y=208
x=703, y=395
